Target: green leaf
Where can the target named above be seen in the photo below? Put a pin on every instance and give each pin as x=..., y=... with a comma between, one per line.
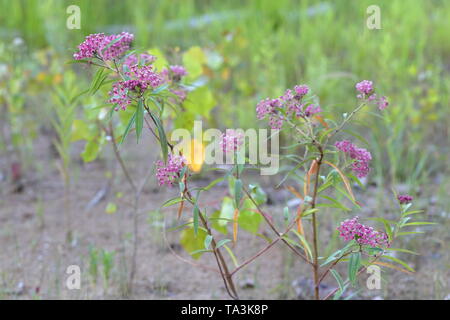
x=304, y=243
x=139, y=119
x=196, y=217
x=402, y=250
x=161, y=61
x=191, y=242
x=171, y=202
x=249, y=219
x=237, y=192
x=200, y=102
x=353, y=266
x=98, y=80
x=208, y=240
x=212, y=184
x=339, y=253
x=258, y=194
x=81, y=131
x=128, y=128
x=218, y=223
x=222, y=243
x=193, y=61
x=339, y=280
x=232, y=256
x=91, y=150
x=162, y=136
x=418, y=223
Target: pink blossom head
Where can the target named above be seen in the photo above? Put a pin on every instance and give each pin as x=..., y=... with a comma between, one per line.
x=141, y=59
x=404, y=199
x=361, y=157
x=352, y=229
x=103, y=46
x=301, y=91
x=178, y=71
x=312, y=110
x=365, y=87
x=231, y=140
x=168, y=173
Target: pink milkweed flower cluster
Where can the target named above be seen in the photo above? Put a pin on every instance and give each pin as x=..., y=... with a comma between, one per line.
x=404, y=199
x=141, y=59
x=290, y=103
x=231, y=140
x=178, y=71
x=140, y=79
x=168, y=173
x=361, y=156
x=367, y=91
x=352, y=229
x=99, y=44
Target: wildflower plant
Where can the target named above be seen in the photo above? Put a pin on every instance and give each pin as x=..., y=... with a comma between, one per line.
x=326, y=163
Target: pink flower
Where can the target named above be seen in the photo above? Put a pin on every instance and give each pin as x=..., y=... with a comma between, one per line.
x=382, y=103
x=312, y=109
x=301, y=91
x=142, y=59
x=119, y=95
x=145, y=75
x=403, y=199
x=351, y=229
x=100, y=45
x=178, y=71
x=231, y=140
x=365, y=87
x=361, y=156
x=168, y=173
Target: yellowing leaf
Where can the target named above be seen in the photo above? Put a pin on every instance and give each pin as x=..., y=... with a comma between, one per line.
x=235, y=224
x=385, y=264
x=344, y=179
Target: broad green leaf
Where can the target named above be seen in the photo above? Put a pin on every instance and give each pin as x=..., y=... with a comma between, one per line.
x=200, y=102
x=81, y=131
x=91, y=150
x=249, y=219
x=193, y=61
x=217, y=223
x=191, y=242
x=226, y=211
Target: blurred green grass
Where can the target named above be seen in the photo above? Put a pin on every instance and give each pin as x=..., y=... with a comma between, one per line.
x=271, y=45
